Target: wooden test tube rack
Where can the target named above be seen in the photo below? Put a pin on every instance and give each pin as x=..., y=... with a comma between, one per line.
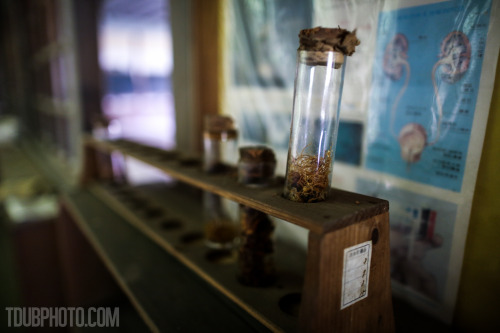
x=337, y=225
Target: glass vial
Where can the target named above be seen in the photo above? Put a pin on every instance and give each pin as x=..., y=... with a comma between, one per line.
x=219, y=143
x=256, y=252
x=220, y=149
x=256, y=166
x=315, y=119
x=221, y=231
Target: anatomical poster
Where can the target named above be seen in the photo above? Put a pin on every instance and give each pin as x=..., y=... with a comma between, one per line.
x=422, y=105
x=421, y=233
x=425, y=85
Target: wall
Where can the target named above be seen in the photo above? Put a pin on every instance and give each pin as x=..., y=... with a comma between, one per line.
x=477, y=306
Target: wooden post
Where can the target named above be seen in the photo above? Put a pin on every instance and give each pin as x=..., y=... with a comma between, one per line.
x=321, y=308
x=97, y=165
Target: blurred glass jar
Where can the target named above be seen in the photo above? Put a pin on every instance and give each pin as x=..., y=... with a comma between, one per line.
x=256, y=166
x=219, y=143
x=221, y=231
x=256, y=253
x=220, y=149
x=256, y=266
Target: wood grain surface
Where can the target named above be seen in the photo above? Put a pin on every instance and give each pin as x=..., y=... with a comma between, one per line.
x=340, y=210
x=321, y=297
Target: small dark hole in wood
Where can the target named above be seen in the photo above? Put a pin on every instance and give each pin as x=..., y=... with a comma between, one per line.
x=190, y=161
x=114, y=185
x=166, y=156
x=153, y=212
x=220, y=256
x=120, y=197
x=162, y=157
x=290, y=304
x=136, y=203
x=171, y=224
x=374, y=236
x=154, y=153
x=326, y=216
x=124, y=192
x=192, y=237
x=372, y=202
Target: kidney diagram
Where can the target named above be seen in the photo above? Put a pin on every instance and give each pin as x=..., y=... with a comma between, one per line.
x=453, y=62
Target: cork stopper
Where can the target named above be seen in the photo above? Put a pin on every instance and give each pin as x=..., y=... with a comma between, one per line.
x=218, y=123
x=257, y=154
x=320, y=41
x=219, y=127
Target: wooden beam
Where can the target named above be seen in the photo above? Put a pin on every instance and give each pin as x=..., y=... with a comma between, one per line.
x=207, y=50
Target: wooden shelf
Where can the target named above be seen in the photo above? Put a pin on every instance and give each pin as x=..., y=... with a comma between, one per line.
x=339, y=211
x=167, y=295
x=171, y=216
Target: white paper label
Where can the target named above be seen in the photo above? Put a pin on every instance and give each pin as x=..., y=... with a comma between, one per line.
x=356, y=273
